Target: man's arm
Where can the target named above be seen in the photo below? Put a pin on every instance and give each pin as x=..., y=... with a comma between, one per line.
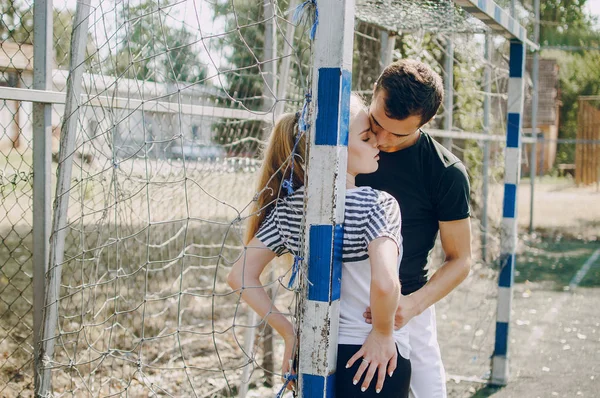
x=456, y=242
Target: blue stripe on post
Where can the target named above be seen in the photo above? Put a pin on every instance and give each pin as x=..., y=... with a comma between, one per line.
x=506, y=277
x=497, y=13
x=512, y=130
x=481, y=4
x=327, y=106
x=336, y=277
x=319, y=260
x=515, y=66
x=510, y=201
x=345, y=107
x=313, y=386
x=501, y=345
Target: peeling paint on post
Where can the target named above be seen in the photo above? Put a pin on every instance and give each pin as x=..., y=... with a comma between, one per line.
x=325, y=196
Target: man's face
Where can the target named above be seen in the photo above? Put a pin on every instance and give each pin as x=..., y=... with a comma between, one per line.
x=392, y=134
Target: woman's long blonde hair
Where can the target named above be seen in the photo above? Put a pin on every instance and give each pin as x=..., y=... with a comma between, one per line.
x=277, y=166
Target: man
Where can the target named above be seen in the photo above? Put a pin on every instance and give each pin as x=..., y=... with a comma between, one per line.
x=432, y=187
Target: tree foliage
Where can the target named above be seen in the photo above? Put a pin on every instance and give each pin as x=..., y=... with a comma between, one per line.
x=150, y=49
x=243, y=66
x=16, y=21
x=565, y=23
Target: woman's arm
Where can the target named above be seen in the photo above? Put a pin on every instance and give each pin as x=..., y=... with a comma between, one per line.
x=379, y=350
x=245, y=277
x=385, y=284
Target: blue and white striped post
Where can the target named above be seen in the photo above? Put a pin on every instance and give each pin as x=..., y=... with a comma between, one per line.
x=325, y=197
x=512, y=170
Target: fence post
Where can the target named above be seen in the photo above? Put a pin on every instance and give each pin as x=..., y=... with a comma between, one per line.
x=534, y=109
x=388, y=44
x=288, y=53
x=487, y=82
x=269, y=101
x=325, y=197
x=63, y=185
x=42, y=153
x=508, y=239
x=449, y=89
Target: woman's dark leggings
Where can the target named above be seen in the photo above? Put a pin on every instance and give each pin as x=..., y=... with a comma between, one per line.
x=394, y=387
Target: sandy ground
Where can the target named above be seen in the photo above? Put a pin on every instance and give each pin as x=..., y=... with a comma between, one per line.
x=555, y=335
x=554, y=347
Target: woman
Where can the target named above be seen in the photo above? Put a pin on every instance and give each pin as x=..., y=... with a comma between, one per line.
x=371, y=253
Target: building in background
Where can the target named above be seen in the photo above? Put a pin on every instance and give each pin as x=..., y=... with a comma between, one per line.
x=547, y=115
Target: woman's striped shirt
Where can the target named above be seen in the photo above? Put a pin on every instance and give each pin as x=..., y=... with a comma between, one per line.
x=369, y=214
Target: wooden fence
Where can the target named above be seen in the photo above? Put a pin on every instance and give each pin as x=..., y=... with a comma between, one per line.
x=587, y=150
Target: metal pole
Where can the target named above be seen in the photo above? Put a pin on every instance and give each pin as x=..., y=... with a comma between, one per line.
x=325, y=197
x=449, y=89
x=42, y=155
x=249, y=337
x=542, y=142
x=534, y=109
x=287, y=59
x=63, y=185
x=388, y=44
x=270, y=56
x=487, y=88
x=508, y=238
x=269, y=93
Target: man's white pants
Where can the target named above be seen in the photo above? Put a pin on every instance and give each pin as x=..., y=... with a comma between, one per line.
x=428, y=378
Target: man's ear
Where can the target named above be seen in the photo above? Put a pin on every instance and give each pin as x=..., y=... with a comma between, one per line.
x=430, y=120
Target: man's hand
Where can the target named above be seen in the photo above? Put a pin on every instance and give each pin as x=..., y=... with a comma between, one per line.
x=408, y=308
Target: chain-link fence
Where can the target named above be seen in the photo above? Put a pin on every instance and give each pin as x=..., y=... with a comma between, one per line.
x=16, y=248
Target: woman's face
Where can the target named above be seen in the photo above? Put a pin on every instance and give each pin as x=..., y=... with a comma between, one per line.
x=362, y=146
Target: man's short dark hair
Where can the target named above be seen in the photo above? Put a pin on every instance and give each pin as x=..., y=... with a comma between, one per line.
x=412, y=88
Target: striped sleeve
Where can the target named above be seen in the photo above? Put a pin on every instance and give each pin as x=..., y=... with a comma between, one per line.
x=269, y=233
x=384, y=220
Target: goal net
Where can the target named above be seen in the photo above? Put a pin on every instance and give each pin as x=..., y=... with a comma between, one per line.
x=177, y=102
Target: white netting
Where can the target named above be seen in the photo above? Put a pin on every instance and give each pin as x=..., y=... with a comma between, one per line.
x=178, y=100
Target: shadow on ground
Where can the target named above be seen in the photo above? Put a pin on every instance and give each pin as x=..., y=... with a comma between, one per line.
x=556, y=260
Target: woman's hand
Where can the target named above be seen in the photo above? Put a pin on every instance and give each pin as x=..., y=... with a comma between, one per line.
x=288, y=358
x=378, y=353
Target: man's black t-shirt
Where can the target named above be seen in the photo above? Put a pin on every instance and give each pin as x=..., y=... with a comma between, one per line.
x=431, y=185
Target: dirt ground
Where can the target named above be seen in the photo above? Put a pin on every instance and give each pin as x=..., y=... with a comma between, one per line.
x=554, y=347
x=555, y=333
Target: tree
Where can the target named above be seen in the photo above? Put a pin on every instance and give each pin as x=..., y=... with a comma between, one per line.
x=242, y=69
x=16, y=21
x=565, y=23
x=150, y=49
x=578, y=74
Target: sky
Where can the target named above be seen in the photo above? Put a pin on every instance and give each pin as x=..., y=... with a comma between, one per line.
x=593, y=8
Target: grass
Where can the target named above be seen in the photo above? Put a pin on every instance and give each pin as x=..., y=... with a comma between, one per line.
x=556, y=261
